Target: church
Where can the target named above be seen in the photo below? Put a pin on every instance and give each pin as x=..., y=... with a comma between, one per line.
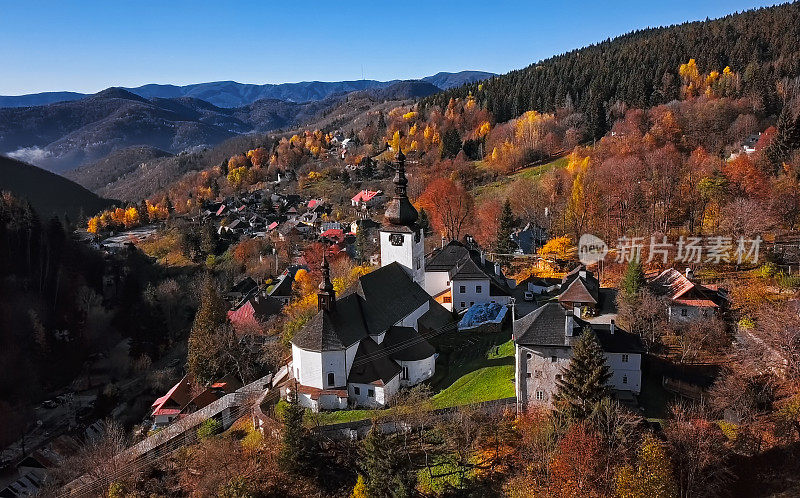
x=363, y=346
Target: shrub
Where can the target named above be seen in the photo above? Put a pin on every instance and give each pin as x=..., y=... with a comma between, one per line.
x=209, y=428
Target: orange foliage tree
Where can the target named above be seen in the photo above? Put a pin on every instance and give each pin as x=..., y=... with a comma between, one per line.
x=449, y=206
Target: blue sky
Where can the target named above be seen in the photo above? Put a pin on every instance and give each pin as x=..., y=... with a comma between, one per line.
x=87, y=46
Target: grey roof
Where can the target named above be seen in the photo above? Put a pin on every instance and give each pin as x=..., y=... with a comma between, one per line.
x=371, y=365
x=461, y=263
x=332, y=331
x=283, y=287
x=406, y=344
x=546, y=326
x=447, y=257
x=387, y=294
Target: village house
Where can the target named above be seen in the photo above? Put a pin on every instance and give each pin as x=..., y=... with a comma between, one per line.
x=543, y=342
x=459, y=277
x=186, y=396
x=580, y=292
x=360, y=349
x=686, y=299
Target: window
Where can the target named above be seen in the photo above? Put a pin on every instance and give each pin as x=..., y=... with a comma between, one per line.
x=528, y=375
x=462, y=289
x=537, y=374
x=624, y=379
x=448, y=283
x=553, y=359
x=684, y=312
x=529, y=356
x=539, y=395
x=558, y=376
x=371, y=393
x=471, y=303
x=447, y=299
x=405, y=373
x=357, y=390
x=705, y=312
x=477, y=289
x=331, y=379
x=463, y=304
x=624, y=358
x=417, y=264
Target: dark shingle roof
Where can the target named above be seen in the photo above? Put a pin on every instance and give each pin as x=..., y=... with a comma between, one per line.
x=388, y=294
x=371, y=365
x=446, y=257
x=546, y=325
x=542, y=327
x=333, y=331
x=406, y=344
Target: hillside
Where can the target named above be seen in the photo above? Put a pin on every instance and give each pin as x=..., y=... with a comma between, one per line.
x=641, y=68
x=99, y=174
x=49, y=193
x=233, y=94
x=64, y=135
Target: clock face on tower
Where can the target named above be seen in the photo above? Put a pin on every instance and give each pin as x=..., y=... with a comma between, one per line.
x=396, y=239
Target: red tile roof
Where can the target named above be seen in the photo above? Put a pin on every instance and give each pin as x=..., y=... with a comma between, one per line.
x=364, y=195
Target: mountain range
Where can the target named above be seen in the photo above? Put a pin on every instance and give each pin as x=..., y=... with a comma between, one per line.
x=60, y=136
x=233, y=94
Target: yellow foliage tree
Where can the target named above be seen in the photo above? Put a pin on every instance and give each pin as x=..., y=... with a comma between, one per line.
x=560, y=247
x=360, y=489
x=131, y=218
x=93, y=225
x=652, y=476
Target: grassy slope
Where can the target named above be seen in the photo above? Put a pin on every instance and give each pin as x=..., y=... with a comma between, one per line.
x=485, y=376
x=496, y=188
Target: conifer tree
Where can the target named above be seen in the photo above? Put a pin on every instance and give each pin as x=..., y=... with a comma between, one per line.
x=385, y=467
x=424, y=221
x=205, y=358
x=583, y=382
x=787, y=136
x=294, y=451
x=503, y=244
x=633, y=281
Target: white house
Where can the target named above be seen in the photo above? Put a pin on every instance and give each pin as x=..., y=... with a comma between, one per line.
x=459, y=277
x=358, y=350
x=543, y=348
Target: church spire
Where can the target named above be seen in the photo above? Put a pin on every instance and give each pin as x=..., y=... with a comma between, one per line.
x=326, y=297
x=399, y=210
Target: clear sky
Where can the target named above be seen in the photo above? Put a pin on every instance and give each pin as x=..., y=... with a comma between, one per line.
x=86, y=46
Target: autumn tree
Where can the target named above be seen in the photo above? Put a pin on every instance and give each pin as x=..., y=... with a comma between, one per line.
x=583, y=381
x=449, y=205
x=652, y=475
x=574, y=469
x=559, y=247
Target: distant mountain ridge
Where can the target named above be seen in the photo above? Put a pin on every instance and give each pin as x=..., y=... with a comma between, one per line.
x=229, y=94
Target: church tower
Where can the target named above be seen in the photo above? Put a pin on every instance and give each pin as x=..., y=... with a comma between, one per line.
x=326, y=297
x=402, y=239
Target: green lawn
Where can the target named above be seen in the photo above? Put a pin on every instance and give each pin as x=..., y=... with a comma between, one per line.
x=484, y=384
x=471, y=368
x=532, y=172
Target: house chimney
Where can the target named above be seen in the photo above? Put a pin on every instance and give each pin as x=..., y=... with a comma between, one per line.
x=582, y=272
x=483, y=257
x=689, y=273
x=613, y=327
x=569, y=324
x=497, y=270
